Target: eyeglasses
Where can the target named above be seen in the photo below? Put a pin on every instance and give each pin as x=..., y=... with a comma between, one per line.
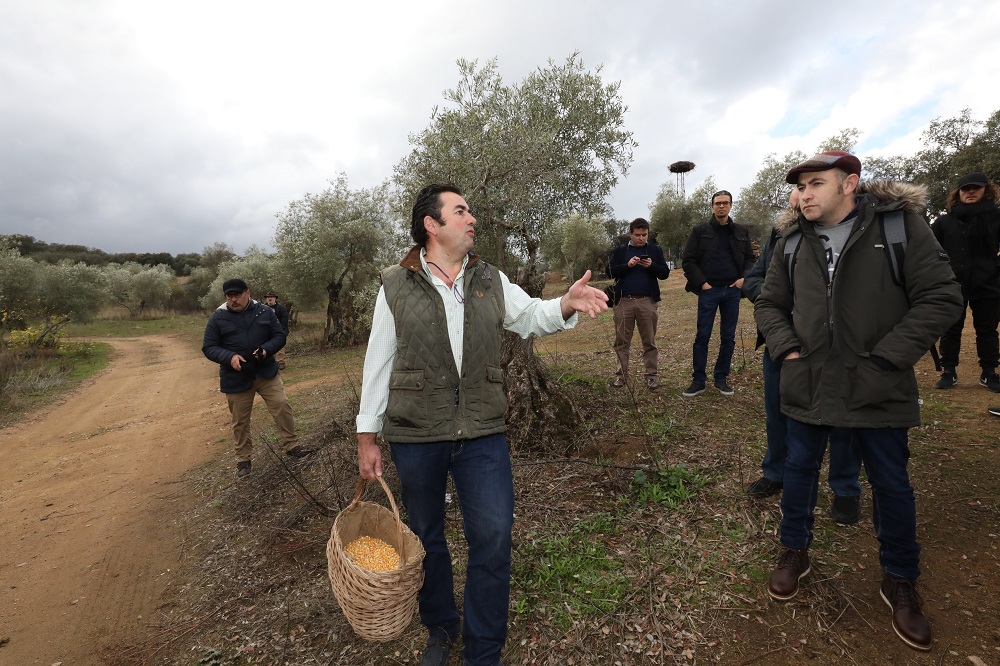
x=723, y=203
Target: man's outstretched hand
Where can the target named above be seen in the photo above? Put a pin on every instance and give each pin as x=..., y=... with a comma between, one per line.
x=583, y=298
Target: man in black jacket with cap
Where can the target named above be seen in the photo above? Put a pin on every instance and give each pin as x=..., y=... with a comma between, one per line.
x=242, y=336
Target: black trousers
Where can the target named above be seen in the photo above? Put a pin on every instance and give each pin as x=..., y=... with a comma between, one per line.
x=985, y=317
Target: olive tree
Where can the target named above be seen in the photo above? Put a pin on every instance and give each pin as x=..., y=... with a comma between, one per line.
x=136, y=287
x=672, y=217
x=526, y=155
x=331, y=247
x=574, y=244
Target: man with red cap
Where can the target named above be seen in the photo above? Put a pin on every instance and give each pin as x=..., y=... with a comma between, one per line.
x=848, y=355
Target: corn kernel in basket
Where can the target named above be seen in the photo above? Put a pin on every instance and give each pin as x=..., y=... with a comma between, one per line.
x=373, y=554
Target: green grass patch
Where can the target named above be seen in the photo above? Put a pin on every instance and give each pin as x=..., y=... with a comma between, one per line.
x=189, y=325
x=29, y=381
x=670, y=487
x=567, y=576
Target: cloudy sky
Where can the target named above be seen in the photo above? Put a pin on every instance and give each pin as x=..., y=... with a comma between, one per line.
x=151, y=126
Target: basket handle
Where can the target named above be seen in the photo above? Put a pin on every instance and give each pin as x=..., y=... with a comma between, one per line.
x=395, y=513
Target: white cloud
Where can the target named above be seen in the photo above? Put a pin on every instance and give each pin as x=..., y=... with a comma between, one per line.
x=156, y=126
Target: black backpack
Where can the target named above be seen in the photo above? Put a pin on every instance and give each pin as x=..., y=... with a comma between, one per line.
x=894, y=233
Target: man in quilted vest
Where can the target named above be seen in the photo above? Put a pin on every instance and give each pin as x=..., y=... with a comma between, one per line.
x=433, y=387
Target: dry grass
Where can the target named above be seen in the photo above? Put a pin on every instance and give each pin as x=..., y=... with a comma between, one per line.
x=684, y=578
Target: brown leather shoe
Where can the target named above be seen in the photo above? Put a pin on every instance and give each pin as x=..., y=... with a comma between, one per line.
x=907, y=617
x=793, y=565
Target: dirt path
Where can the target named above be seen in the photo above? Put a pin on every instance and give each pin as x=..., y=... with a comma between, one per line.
x=88, y=492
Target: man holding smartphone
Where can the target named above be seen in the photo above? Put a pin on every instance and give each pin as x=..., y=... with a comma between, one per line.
x=636, y=267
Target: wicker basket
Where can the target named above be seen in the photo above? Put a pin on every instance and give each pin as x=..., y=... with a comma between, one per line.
x=379, y=606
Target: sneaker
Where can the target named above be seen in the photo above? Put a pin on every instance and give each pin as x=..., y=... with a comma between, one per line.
x=907, y=618
x=436, y=652
x=651, y=383
x=764, y=487
x=724, y=388
x=793, y=565
x=696, y=388
x=846, y=510
x=991, y=381
x=618, y=382
x=995, y=411
x=299, y=451
x=243, y=468
x=948, y=379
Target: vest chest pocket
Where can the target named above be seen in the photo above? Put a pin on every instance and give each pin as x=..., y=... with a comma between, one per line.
x=494, y=404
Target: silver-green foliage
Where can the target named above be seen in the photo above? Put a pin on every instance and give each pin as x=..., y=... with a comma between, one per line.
x=255, y=268
x=526, y=154
x=31, y=292
x=672, y=217
x=331, y=247
x=575, y=243
x=134, y=286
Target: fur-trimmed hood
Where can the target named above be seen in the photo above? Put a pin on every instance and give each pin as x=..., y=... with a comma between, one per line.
x=890, y=195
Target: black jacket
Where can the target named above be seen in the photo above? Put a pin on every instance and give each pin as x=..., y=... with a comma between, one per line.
x=229, y=333
x=970, y=234
x=281, y=312
x=700, y=246
x=618, y=267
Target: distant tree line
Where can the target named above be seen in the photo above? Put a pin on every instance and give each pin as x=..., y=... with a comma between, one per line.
x=53, y=253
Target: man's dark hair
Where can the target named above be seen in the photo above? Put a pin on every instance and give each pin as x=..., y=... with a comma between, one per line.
x=722, y=193
x=638, y=223
x=428, y=203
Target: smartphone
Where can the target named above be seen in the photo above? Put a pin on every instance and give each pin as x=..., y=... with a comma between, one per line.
x=644, y=256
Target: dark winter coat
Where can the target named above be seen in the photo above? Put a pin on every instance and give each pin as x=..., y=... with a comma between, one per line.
x=229, y=333
x=701, y=245
x=753, y=281
x=859, y=334
x=281, y=312
x=970, y=234
x=618, y=267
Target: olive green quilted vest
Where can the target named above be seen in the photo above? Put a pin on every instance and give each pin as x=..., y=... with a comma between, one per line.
x=429, y=400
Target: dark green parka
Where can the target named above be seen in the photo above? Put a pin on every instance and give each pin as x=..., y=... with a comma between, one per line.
x=840, y=325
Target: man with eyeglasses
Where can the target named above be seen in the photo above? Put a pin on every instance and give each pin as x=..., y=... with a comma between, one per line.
x=970, y=234
x=717, y=256
x=243, y=336
x=433, y=386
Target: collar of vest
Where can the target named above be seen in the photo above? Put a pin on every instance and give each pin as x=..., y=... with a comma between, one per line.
x=411, y=261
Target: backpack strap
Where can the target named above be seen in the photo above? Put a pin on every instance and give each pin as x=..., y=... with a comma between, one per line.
x=894, y=233
x=791, y=246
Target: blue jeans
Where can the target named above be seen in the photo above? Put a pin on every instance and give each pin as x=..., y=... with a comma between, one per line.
x=845, y=454
x=885, y=452
x=727, y=301
x=484, y=483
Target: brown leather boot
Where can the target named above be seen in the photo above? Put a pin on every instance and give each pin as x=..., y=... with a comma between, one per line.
x=907, y=617
x=792, y=567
